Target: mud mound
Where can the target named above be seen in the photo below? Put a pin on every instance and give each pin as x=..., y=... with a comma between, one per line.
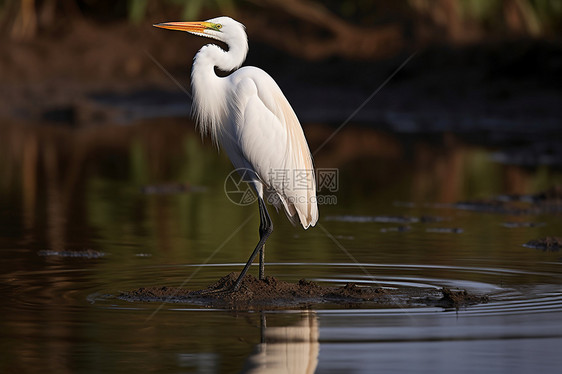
x=456, y=299
x=272, y=293
x=86, y=253
x=550, y=243
x=546, y=202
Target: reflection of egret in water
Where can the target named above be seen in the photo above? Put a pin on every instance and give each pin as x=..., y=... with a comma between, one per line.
x=288, y=349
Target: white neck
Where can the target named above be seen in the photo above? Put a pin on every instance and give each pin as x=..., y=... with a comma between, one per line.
x=209, y=90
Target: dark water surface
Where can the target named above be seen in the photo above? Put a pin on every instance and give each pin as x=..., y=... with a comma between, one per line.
x=88, y=213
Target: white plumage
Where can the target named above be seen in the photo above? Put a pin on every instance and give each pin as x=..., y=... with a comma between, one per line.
x=248, y=115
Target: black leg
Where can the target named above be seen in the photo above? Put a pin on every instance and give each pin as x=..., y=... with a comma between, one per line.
x=266, y=228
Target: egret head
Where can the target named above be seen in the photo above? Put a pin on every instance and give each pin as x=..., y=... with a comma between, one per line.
x=224, y=29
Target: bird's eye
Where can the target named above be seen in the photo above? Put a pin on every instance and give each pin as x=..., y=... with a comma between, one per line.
x=218, y=26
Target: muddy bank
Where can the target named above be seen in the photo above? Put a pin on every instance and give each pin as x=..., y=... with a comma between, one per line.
x=85, y=254
x=546, y=202
x=272, y=293
x=550, y=243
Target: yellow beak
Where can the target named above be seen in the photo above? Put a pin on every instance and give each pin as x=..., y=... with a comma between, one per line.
x=184, y=26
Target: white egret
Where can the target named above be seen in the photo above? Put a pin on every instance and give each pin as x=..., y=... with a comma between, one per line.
x=247, y=113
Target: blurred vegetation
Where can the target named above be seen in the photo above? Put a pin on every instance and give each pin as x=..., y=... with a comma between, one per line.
x=25, y=18
x=190, y=9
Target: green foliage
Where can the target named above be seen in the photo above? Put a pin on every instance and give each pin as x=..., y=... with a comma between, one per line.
x=136, y=10
x=549, y=12
x=190, y=9
x=539, y=15
x=481, y=10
